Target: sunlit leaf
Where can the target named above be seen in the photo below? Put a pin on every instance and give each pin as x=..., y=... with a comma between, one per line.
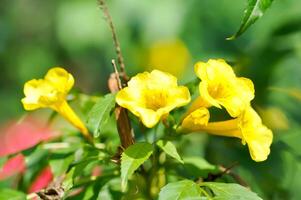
x=100, y=113
x=254, y=10
x=60, y=165
x=181, y=190
x=132, y=158
x=198, y=167
x=68, y=180
x=230, y=191
x=11, y=194
x=170, y=149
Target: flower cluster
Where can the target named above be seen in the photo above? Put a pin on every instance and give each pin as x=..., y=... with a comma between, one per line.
x=151, y=96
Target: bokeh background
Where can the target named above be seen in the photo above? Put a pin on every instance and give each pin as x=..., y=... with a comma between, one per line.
x=170, y=35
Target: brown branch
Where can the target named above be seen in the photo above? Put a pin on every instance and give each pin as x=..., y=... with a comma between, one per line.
x=125, y=130
x=228, y=170
x=120, y=59
x=124, y=127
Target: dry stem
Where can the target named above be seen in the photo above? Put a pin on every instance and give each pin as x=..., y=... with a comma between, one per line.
x=120, y=59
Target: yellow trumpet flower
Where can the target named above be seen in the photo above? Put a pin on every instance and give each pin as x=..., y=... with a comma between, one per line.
x=150, y=96
x=248, y=127
x=51, y=92
x=219, y=86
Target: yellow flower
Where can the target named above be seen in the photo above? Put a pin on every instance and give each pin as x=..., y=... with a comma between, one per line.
x=219, y=86
x=51, y=92
x=248, y=127
x=150, y=96
x=195, y=119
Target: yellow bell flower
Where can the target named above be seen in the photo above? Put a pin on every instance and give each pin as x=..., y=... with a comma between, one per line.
x=51, y=92
x=248, y=127
x=150, y=96
x=219, y=86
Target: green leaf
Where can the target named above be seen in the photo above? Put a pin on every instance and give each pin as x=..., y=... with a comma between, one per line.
x=198, y=167
x=68, y=181
x=170, y=149
x=134, y=156
x=11, y=194
x=100, y=113
x=180, y=190
x=230, y=191
x=253, y=12
x=289, y=27
x=60, y=165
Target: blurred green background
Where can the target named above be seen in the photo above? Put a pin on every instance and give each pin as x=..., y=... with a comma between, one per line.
x=170, y=35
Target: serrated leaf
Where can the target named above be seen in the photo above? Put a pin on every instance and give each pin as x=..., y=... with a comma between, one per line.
x=10, y=194
x=230, y=191
x=134, y=156
x=100, y=113
x=254, y=10
x=170, y=149
x=180, y=190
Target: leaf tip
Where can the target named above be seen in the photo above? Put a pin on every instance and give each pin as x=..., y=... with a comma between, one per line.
x=233, y=37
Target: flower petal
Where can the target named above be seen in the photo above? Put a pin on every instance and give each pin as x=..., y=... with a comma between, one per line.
x=179, y=96
x=60, y=78
x=258, y=137
x=204, y=93
x=149, y=117
x=196, y=120
x=130, y=99
x=259, y=142
x=163, y=77
x=213, y=69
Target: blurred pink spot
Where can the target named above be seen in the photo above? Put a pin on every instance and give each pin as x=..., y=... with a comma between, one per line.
x=13, y=166
x=96, y=171
x=16, y=137
x=42, y=180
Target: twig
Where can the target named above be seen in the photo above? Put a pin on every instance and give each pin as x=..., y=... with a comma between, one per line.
x=120, y=59
x=228, y=170
x=116, y=74
x=212, y=177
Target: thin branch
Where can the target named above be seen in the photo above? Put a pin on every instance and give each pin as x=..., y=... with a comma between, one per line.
x=116, y=74
x=120, y=59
